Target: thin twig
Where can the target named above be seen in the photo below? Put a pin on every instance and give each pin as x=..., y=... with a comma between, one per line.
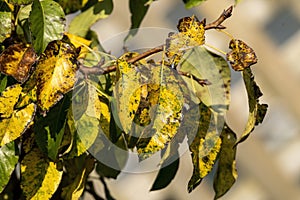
x=217, y=24
x=202, y=82
x=146, y=54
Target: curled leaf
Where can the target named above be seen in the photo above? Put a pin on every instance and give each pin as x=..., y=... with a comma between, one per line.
x=16, y=61
x=242, y=56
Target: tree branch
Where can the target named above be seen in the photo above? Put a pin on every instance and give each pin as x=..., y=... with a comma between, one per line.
x=217, y=24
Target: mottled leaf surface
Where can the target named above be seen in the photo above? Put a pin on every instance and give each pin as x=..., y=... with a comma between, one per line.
x=47, y=23
x=5, y=18
x=8, y=98
x=226, y=174
x=13, y=127
x=55, y=74
x=39, y=177
x=8, y=161
x=257, y=111
x=16, y=61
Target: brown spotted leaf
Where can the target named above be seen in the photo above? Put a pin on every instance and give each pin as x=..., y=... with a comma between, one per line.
x=16, y=61
x=55, y=74
x=8, y=98
x=241, y=56
x=191, y=34
x=39, y=177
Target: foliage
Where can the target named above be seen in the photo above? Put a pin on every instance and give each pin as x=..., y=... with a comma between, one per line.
x=65, y=102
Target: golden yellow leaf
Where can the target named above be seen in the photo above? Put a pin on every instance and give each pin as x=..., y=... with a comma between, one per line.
x=81, y=43
x=39, y=176
x=16, y=61
x=8, y=98
x=13, y=127
x=55, y=74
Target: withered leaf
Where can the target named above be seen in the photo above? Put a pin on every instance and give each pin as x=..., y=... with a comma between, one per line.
x=241, y=56
x=17, y=60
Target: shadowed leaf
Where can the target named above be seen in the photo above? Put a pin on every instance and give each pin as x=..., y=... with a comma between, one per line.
x=226, y=172
x=8, y=161
x=39, y=177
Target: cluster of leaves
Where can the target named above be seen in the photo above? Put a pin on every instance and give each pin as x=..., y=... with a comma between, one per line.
x=65, y=102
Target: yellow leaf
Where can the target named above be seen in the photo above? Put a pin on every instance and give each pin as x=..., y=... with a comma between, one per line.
x=191, y=34
x=55, y=74
x=13, y=127
x=39, y=177
x=81, y=43
x=8, y=98
x=16, y=61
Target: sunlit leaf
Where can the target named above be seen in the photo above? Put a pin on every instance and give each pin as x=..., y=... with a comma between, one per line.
x=241, y=56
x=191, y=34
x=81, y=24
x=138, y=10
x=39, y=177
x=128, y=94
x=206, y=65
x=81, y=43
x=167, y=95
x=192, y=3
x=205, y=147
x=13, y=127
x=8, y=98
x=257, y=111
x=16, y=61
x=47, y=23
x=77, y=174
x=55, y=74
x=226, y=172
x=5, y=18
x=8, y=161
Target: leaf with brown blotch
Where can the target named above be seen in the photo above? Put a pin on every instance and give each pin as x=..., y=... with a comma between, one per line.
x=241, y=56
x=55, y=74
x=17, y=60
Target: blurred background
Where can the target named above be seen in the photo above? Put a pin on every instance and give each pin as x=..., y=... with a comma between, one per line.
x=268, y=163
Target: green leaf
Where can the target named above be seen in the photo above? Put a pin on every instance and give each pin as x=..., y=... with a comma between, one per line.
x=39, y=177
x=226, y=172
x=81, y=24
x=78, y=170
x=5, y=18
x=49, y=130
x=8, y=161
x=72, y=6
x=47, y=23
x=138, y=10
x=257, y=111
x=17, y=60
x=20, y=2
x=3, y=83
x=55, y=74
x=205, y=147
x=206, y=65
x=192, y=3
x=167, y=170
x=13, y=127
